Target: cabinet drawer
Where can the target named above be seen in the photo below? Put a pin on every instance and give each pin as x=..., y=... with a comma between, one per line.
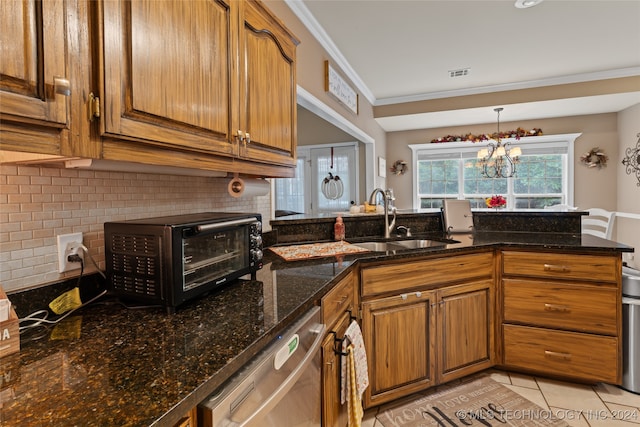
x=582, y=308
x=583, y=356
x=416, y=274
x=561, y=266
x=338, y=300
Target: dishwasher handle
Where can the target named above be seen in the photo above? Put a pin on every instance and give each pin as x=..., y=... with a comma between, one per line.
x=289, y=382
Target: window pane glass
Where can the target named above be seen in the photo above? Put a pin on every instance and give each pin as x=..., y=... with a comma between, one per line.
x=540, y=174
x=290, y=191
x=338, y=165
x=438, y=177
x=430, y=203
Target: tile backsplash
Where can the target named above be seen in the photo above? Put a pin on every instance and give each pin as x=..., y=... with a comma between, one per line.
x=39, y=203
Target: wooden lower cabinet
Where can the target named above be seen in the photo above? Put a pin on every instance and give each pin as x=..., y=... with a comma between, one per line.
x=562, y=314
x=189, y=420
x=423, y=338
x=334, y=413
x=400, y=338
x=339, y=307
x=561, y=353
x=466, y=329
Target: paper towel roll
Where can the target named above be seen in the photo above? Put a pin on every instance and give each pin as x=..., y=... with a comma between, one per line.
x=239, y=187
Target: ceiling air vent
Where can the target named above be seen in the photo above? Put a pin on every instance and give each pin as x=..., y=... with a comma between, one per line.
x=459, y=73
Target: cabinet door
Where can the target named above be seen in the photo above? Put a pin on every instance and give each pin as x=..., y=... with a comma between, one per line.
x=334, y=414
x=466, y=329
x=399, y=336
x=34, y=53
x=268, y=93
x=167, y=71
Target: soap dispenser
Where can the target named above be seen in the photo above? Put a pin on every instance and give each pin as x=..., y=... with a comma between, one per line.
x=338, y=229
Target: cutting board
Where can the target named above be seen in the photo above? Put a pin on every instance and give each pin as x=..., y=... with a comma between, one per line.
x=316, y=250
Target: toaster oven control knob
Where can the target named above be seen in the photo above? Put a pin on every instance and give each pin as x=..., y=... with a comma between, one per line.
x=258, y=226
x=257, y=241
x=257, y=255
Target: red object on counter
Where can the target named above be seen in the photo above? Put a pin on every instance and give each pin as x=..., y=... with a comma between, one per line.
x=338, y=229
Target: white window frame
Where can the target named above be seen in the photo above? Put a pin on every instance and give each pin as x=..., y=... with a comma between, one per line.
x=563, y=143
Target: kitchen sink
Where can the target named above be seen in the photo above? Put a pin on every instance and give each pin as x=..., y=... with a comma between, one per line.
x=419, y=243
x=380, y=246
x=399, y=245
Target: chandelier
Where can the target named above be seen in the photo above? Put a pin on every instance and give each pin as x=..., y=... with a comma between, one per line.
x=498, y=160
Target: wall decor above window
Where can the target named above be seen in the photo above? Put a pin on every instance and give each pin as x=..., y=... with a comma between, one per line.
x=470, y=137
x=632, y=160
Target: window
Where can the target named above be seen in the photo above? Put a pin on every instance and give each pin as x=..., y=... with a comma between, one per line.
x=544, y=174
x=289, y=192
x=303, y=193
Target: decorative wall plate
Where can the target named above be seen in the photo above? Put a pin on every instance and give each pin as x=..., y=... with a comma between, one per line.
x=632, y=160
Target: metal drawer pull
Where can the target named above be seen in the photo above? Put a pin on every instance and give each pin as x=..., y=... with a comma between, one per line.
x=556, y=307
x=557, y=355
x=557, y=268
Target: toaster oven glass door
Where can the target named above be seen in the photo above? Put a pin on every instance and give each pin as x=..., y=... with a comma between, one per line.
x=211, y=256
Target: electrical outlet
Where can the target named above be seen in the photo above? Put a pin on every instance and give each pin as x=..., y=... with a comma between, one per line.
x=69, y=244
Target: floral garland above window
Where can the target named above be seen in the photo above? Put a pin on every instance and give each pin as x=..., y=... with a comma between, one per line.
x=594, y=158
x=518, y=133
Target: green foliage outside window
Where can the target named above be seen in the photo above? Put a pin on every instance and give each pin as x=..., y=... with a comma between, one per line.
x=539, y=182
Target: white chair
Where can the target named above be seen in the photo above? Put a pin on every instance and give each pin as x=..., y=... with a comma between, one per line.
x=560, y=207
x=599, y=223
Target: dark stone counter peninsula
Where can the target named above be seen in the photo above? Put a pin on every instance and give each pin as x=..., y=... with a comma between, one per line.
x=111, y=365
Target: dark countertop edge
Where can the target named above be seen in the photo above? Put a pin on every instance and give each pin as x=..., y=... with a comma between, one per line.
x=330, y=217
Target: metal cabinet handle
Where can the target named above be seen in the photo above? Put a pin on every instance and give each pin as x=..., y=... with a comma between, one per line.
x=417, y=294
x=557, y=307
x=61, y=86
x=557, y=268
x=557, y=355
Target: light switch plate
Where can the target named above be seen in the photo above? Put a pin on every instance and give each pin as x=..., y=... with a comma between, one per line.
x=66, y=243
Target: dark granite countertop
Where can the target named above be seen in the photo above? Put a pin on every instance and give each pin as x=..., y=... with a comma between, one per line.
x=110, y=365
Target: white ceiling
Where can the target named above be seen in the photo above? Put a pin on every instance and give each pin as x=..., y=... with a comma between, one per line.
x=396, y=51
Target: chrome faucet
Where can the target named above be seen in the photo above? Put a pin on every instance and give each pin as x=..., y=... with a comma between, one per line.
x=387, y=198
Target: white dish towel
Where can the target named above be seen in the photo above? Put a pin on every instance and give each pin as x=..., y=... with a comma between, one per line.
x=353, y=336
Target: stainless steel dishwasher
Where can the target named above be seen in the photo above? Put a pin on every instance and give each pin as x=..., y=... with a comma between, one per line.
x=279, y=387
x=631, y=329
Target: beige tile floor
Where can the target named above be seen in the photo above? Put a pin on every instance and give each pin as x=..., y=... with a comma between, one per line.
x=580, y=405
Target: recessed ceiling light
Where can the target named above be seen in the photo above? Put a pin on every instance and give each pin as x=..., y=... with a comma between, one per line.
x=523, y=4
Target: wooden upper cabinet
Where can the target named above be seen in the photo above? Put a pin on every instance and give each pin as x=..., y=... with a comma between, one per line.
x=167, y=68
x=216, y=77
x=268, y=93
x=34, y=55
